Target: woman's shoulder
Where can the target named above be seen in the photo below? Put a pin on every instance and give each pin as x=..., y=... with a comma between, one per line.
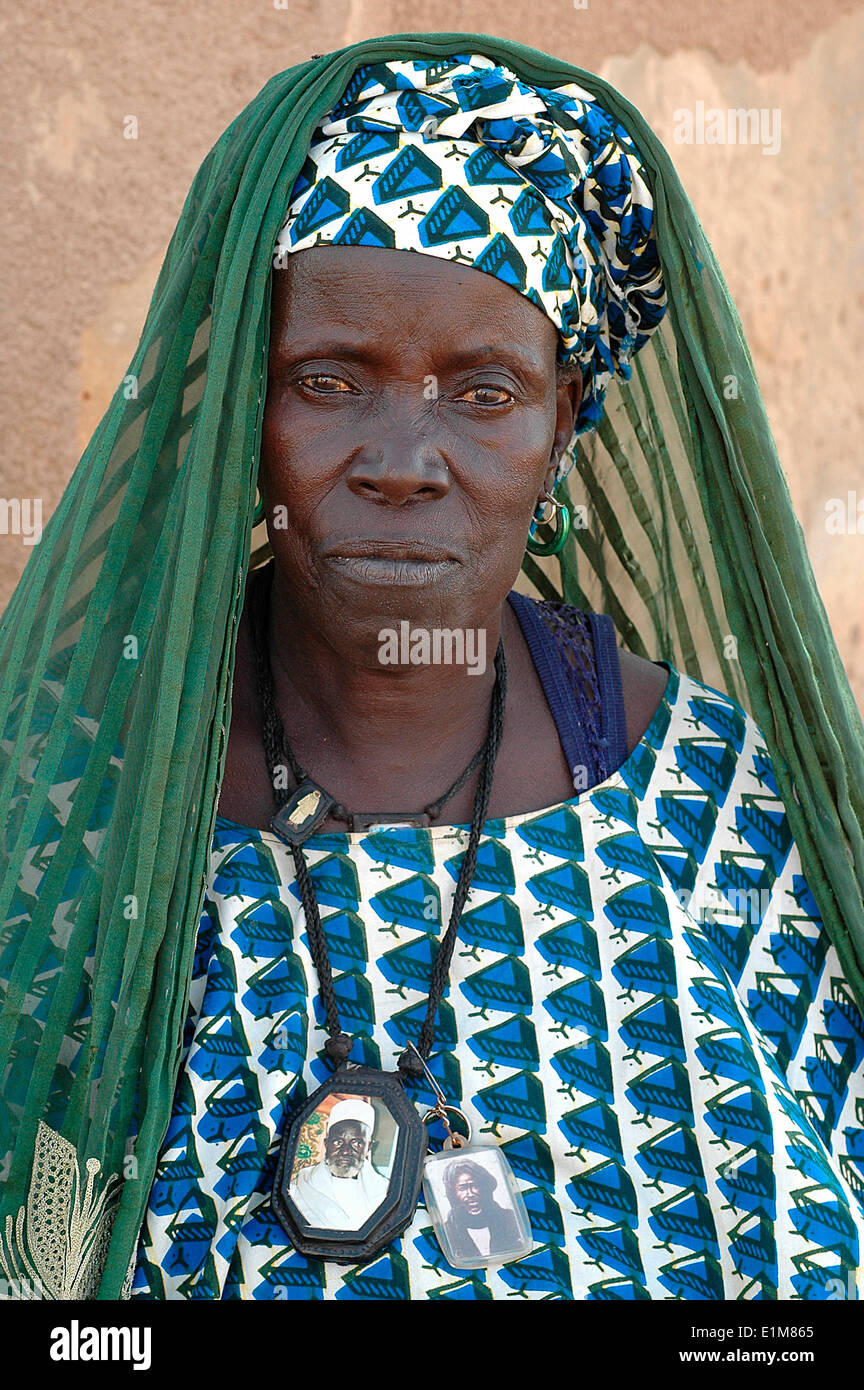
x=693, y=705
x=643, y=686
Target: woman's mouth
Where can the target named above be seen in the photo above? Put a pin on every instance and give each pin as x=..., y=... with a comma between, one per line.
x=392, y=563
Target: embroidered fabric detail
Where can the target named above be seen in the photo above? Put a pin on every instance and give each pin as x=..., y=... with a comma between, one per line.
x=55, y=1248
x=126, y=1291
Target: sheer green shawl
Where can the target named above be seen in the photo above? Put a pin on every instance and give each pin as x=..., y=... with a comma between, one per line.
x=117, y=651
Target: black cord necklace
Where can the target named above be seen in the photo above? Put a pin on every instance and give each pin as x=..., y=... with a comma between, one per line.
x=377, y=1093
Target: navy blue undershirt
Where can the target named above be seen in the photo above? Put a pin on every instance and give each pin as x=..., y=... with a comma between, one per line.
x=573, y=711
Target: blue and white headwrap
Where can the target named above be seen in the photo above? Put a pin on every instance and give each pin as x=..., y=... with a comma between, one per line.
x=540, y=187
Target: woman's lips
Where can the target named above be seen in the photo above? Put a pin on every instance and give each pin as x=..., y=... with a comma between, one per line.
x=370, y=569
x=392, y=563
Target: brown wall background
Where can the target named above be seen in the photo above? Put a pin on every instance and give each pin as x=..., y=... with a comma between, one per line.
x=88, y=213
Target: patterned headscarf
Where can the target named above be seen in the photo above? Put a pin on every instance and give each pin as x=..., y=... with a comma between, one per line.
x=540, y=187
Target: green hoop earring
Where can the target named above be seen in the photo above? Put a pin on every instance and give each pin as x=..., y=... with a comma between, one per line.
x=258, y=514
x=562, y=528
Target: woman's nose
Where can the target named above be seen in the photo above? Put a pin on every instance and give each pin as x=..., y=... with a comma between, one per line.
x=398, y=469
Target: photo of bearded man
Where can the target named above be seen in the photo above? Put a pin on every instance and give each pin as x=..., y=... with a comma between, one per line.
x=342, y=1191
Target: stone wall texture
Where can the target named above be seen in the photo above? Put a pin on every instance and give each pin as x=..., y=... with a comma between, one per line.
x=88, y=213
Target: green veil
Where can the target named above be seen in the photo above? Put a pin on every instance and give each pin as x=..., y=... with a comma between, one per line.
x=117, y=652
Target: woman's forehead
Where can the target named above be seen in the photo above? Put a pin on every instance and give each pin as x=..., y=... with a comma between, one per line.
x=353, y=296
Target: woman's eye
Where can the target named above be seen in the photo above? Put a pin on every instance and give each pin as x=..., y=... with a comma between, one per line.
x=487, y=395
x=325, y=384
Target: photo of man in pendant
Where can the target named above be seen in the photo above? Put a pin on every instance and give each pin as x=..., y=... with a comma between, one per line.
x=341, y=1169
x=479, y=1218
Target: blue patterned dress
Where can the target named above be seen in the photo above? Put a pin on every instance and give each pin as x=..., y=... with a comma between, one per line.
x=644, y=1010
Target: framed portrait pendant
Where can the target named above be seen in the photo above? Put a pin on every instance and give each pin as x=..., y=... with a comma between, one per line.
x=476, y=1207
x=350, y=1166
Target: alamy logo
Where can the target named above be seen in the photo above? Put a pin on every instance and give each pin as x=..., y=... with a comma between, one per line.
x=716, y=905
x=737, y=125
x=845, y=515
x=438, y=646
x=21, y=516
x=77, y=1343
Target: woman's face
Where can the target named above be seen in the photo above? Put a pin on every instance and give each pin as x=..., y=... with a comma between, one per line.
x=412, y=421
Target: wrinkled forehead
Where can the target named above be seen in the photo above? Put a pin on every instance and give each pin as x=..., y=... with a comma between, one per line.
x=372, y=298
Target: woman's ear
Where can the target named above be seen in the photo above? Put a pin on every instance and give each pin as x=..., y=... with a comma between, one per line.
x=568, y=396
x=549, y=477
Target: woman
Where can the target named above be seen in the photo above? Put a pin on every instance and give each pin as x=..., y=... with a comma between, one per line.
x=633, y=991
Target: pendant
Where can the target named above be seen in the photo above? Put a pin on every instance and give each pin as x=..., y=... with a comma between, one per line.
x=305, y=809
x=475, y=1206
x=473, y=1200
x=350, y=1166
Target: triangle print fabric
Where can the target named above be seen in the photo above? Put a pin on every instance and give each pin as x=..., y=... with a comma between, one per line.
x=644, y=1010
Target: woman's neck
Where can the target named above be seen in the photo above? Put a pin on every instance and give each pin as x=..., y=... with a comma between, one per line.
x=354, y=717
x=389, y=750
